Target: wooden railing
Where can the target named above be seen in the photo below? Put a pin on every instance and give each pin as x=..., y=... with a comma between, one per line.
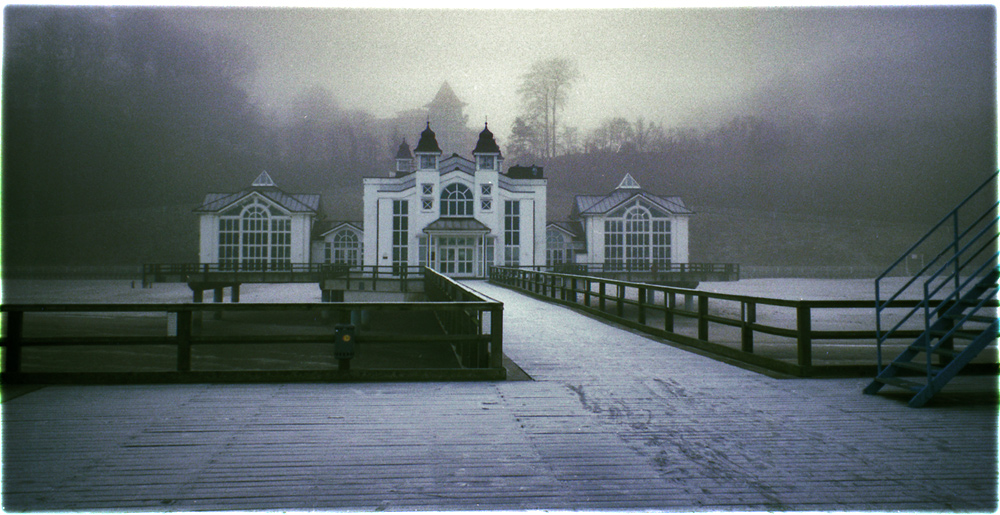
x=730, y=326
x=249, y=273
x=26, y=326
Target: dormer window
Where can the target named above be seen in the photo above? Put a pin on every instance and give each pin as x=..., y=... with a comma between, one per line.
x=428, y=162
x=487, y=162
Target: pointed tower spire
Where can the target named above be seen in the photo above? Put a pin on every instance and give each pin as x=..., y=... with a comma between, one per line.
x=487, y=152
x=427, y=150
x=404, y=159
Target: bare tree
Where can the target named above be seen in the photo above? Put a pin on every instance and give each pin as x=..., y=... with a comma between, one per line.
x=543, y=90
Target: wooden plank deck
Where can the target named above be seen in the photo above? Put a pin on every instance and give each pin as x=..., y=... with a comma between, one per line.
x=612, y=420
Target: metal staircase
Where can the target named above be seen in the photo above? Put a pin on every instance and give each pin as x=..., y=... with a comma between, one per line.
x=958, y=302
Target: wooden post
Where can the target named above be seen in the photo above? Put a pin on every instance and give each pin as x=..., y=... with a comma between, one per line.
x=620, y=308
x=804, y=345
x=642, y=305
x=15, y=333
x=702, y=320
x=184, y=341
x=586, y=293
x=749, y=318
x=496, y=336
x=669, y=303
x=600, y=292
x=218, y=298
x=235, y=293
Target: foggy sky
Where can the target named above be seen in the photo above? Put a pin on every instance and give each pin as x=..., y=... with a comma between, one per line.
x=681, y=67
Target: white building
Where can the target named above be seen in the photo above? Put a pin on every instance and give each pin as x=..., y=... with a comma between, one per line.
x=629, y=228
x=259, y=228
x=454, y=214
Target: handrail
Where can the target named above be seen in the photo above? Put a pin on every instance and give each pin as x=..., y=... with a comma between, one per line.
x=472, y=324
x=612, y=296
x=936, y=268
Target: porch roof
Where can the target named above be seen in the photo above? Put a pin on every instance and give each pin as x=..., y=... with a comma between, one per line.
x=464, y=225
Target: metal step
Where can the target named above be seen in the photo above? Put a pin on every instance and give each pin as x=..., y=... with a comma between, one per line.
x=979, y=319
x=919, y=367
x=963, y=335
x=940, y=351
x=905, y=384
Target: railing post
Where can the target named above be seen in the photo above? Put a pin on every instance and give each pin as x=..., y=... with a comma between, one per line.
x=804, y=329
x=496, y=336
x=15, y=333
x=749, y=319
x=642, y=305
x=669, y=303
x=572, y=283
x=620, y=307
x=601, y=292
x=184, y=341
x=586, y=292
x=702, y=320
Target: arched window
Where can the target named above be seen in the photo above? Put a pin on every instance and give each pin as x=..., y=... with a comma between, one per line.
x=637, y=240
x=254, y=235
x=555, y=248
x=344, y=249
x=456, y=200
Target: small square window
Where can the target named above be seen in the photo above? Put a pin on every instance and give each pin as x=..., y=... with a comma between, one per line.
x=427, y=204
x=428, y=189
x=428, y=162
x=487, y=189
x=486, y=204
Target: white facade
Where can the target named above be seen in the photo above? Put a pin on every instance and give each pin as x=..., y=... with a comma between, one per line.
x=260, y=228
x=632, y=228
x=454, y=214
x=339, y=243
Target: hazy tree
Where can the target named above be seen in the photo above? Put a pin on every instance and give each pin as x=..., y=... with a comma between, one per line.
x=543, y=91
x=524, y=140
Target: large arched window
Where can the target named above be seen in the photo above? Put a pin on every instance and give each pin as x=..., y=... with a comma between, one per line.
x=344, y=249
x=638, y=240
x=255, y=238
x=637, y=237
x=254, y=234
x=456, y=200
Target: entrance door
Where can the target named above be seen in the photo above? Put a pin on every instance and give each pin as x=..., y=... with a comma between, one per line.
x=456, y=256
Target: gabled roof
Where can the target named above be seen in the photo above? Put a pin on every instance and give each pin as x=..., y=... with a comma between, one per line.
x=628, y=188
x=264, y=186
x=323, y=228
x=572, y=228
x=456, y=162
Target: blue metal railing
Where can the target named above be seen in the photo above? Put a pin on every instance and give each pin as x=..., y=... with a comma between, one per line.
x=967, y=252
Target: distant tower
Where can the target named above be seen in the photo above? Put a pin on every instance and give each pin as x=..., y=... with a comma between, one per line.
x=449, y=121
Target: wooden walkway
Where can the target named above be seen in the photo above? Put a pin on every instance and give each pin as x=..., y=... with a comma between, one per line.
x=611, y=420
